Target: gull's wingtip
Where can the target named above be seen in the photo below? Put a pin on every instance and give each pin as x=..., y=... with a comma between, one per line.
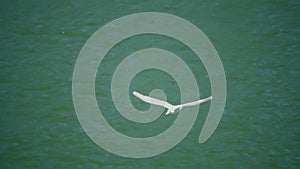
x=135, y=93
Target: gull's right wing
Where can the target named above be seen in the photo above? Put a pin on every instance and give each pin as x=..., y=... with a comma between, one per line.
x=150, y=100
x=194, y=103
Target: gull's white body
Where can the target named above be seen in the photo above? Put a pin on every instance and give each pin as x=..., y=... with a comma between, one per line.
x=171, y=108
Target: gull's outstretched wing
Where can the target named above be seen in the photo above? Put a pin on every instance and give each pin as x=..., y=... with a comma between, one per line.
x=196, y=102
x=153, y=100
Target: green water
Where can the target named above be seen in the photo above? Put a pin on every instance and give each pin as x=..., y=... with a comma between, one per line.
x=258, y=43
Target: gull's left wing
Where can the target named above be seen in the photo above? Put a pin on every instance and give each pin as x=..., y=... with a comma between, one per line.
x=150, y=100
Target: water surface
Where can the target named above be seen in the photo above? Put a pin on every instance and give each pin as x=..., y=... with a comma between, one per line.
x=258, y=43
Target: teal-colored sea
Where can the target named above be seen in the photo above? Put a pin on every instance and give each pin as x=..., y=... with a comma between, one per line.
x=258, y=43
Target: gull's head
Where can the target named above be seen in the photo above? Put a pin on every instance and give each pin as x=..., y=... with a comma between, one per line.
x=174, y=110
x=168, y=112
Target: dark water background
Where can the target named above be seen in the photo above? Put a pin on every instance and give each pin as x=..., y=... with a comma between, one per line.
x=258, y=43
